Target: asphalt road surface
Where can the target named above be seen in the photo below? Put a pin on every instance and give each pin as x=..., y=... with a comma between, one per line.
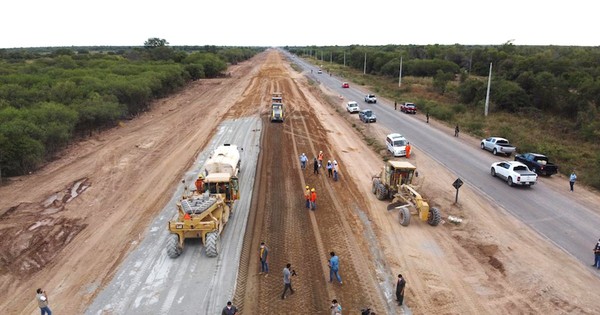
x=555, y=214
x=149, y=282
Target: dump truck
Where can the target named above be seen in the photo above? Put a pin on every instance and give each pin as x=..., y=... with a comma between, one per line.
x=277, y=107
x=395, y=182
x=202, y=213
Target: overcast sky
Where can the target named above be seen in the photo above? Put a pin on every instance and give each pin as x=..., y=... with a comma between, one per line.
x=37, y=23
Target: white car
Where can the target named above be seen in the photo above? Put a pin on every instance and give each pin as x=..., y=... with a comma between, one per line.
x=396, y=144
x=370, y=98
x=352, y=107
x=514, y=173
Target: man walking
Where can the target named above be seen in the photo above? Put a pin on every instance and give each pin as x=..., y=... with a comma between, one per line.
x=313, y=199
x=229, y=309
x=303, y=160
x=307, y=196
x=316, y=167
x=329, y=169
x=456, y=131
x=407, y=148
x=395, y=105
x=263, y=252
x=427, y=116
x=597, y=255
x=572, y=180
x=42, y=300
x=287, y=280
x=334, y=267
x=400, y=289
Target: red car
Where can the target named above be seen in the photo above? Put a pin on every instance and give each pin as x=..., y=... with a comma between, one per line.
x=345, y=85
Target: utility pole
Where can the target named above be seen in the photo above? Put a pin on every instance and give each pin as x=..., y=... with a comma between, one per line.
x=330, y=57
x=400, y=73
x=487, y=96
x=365, y=66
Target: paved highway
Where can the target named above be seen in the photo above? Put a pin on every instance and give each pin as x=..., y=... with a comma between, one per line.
x=555, y=214
x=149, y=282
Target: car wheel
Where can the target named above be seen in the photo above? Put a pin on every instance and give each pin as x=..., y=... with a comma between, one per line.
x=493, y=172
x=495, y=152
x=482, y=146
x=509, y=181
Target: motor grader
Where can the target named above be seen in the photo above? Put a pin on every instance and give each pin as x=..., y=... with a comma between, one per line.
x=395, y=182
x=203, y=213
x=277, y=107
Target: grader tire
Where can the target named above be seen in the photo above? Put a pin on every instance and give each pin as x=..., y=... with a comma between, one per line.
x=381, y=192
x=173, y=248
x=404, y=216
x=374, y=186
x=434, y=217
x=211, y=245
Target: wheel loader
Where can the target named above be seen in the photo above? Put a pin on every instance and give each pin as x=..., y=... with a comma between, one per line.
x=395, y=182
x=202, y=213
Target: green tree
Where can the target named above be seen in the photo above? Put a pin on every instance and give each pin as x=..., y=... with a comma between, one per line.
x=155, y=42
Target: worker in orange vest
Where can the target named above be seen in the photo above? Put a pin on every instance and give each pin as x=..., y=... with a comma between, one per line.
x=200, y=184
x=307, y=196
x=320, y=158
x=408, y=150
x=313, y=199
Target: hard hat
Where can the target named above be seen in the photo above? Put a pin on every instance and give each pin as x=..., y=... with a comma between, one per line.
x=201, y=176
x=307, y=187
x=312, y=189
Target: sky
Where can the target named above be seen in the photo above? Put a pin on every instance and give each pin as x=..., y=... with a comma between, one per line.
x=41, y=23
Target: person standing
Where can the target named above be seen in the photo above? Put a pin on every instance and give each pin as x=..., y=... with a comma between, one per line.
x=572, y=179
x=334, y=268
x=303, y=160
x=313, y=199
x=336, y=170
x=320, y=158
x=307, y=196
x=316, y=167
x=200, y=184
x=229, y=309
x=287, y=280
x=400, y=289
x=456, y=131
x=427, y=116
x=408, y=150
x=263, y=252
x=42, y=300
x=329, y=169
x=597, y=255
x=336, y=308
x=395, y=105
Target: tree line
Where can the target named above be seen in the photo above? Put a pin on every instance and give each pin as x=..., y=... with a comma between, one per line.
x=50, y=96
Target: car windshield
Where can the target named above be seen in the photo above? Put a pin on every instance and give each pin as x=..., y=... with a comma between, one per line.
x=399, y=143
x=368, y=113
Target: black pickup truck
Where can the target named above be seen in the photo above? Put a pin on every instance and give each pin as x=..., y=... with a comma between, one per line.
x=538, y=163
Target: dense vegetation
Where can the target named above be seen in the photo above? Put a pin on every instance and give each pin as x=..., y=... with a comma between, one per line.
x=543, y=98
x=48, y=96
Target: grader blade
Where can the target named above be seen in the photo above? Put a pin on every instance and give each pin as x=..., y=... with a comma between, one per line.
x=397, y=204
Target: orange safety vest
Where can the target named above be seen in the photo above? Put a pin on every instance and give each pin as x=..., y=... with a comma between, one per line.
x=320, y=158
x=408, y=151
x=313, y=196
x=199, y=183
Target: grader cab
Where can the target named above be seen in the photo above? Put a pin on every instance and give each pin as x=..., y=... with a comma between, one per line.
x=395, y=182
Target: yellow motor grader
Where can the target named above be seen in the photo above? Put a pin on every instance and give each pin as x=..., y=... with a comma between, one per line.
x=394, y=183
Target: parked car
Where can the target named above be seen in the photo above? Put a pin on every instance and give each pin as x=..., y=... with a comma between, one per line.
x=345, y=85
x=515, y=173
x=370, y=98
x=367, y=116
x=408, y=108
x=396, y=144
x=538, y=163
x=352, y=107
x=497, y=145
x=319, y=71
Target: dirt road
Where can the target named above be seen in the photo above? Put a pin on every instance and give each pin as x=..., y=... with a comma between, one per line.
x=490, y=264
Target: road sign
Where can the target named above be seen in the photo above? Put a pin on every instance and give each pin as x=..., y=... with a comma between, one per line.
x=457, y=183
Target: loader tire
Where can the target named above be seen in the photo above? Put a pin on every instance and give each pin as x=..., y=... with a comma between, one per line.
x=434, y=217
x=173, y=248
x=381, y=192
x=211, y=245
x=404, y=216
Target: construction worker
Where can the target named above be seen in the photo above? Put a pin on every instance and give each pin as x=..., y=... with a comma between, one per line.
x=303, y=160
x=407, y=150
x=336, y=170
x=329, y=169
x=313, y=199
x=316, y=167
x=320, y=158
x=307, y=196
x=200, y=184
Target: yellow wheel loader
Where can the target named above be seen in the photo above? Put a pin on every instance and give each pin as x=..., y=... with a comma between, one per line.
x=394, y=183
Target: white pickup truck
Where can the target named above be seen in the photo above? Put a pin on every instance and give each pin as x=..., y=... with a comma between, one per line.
x=497, y=145
x=515, y=173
